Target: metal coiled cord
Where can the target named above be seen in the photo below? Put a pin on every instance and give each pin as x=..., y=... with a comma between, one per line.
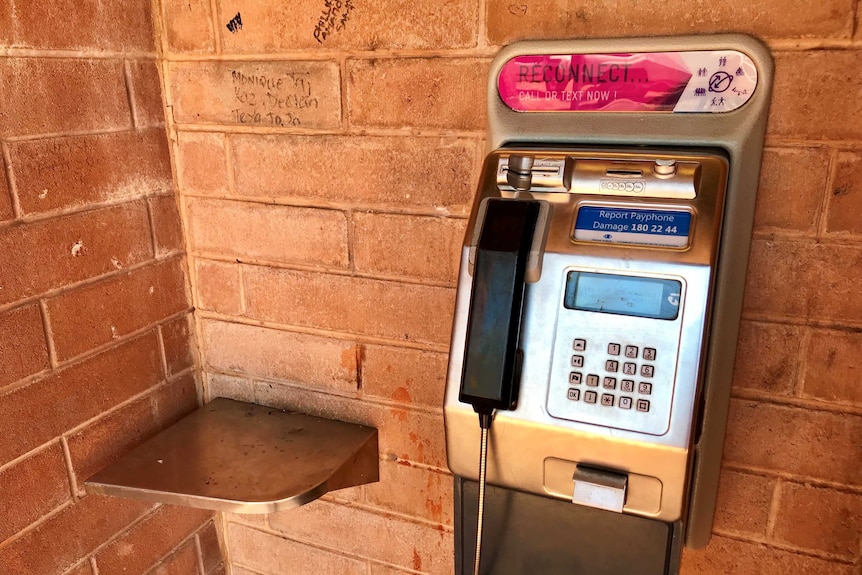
x=483, y=461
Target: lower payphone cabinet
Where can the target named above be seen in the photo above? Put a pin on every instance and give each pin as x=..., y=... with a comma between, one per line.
x=527, y=534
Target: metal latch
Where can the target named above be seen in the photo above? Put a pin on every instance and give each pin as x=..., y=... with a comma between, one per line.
x=599, y=489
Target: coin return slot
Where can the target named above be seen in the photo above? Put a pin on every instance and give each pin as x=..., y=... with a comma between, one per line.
x=625, y=173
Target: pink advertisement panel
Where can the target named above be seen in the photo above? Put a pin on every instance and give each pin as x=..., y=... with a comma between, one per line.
x=704, y=81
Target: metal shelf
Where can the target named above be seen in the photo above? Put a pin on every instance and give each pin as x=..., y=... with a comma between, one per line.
x=243, y=458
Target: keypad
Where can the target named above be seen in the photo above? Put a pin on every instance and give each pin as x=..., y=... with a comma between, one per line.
x=639, y=363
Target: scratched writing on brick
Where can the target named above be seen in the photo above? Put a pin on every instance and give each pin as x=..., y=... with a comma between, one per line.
x=272, y=100
x=333, y=18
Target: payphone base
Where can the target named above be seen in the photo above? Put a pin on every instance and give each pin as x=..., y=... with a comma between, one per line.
x=526, y=534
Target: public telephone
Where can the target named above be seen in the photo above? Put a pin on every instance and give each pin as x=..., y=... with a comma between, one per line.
x=599, y=300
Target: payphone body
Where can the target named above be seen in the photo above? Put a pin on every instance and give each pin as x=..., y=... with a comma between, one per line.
x=609, y=460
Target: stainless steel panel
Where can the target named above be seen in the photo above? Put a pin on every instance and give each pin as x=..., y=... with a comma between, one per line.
x=657, y=446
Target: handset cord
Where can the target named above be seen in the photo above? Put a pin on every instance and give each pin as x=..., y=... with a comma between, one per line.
x=485, y=424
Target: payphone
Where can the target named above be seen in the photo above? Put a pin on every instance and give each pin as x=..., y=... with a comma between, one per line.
x=599, y=300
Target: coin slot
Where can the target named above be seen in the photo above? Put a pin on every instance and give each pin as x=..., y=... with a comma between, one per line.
x=625, y=173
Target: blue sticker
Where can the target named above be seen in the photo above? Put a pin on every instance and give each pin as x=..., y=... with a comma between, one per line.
x=662, y=228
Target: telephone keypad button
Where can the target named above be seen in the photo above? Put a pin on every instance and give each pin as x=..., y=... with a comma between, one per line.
x=631, y=351
x=577, y=361
x=607, y=400
x=579, y=344
x=643, y=405
x=574, y=394
x=630, y=368
x=625, y=403
x=609, y=383
x=645, y=388
x=647, y=370
x=592, y=380
x=612, y=365
x=575, y=378
x=590, y=396
x=649, y=353
x=627, y=386
x=613, y=349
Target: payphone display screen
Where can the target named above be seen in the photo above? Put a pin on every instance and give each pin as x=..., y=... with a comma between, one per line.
x=623, y=295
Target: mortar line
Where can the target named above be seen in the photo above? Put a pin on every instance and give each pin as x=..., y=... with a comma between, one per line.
x=37, y=523
x=94, y=566
x=69, y=134
x=798, y=403
x=199, y=553
x=774, y=504
x=130, y=95
x=802, y=365
x=70, y=469
x=10, y=181
x=807, y=552
x=826, y=196
x=482, y=26
x=343, y=272
x=50, y=215
x=215, y=22
x=11, y=52
x=49, y=334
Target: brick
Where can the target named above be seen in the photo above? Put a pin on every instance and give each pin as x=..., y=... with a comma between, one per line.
x=270, y=26
x=188, y=25
x=7, y=21
x=177, y=340
x=809, y=88
x=32, y=488
x=284, y=94
x=78, y=393
x=218, y=287
x=109, y=438
x=723, y=556
x=221, y=385
x=845, y=197
x=743, y=503
x=407, y=376
x=262, y=352
x=121, y=26
x=816, y=444
x=272, y=555
x=508, y=22
x=427, y=248
x=166, y=224
x=824, y=285
x=765, y=358
x=276, y=233
x=791, y=189
x=25, y=352
x=89, y=317
x=69, y=536
x=175, y=400
x=417, y=172
x=833, y=368
x=183, y=561
x=150, y=540
x=393, y=540
x=404, y=434
x=413, y=491
x=211, y=553
x=71, y=248
x=419, y=92
x=819, y=519
x=146, y=90
x=73, y=172
x=49, y=95
x=201, y=163
x=405, y=312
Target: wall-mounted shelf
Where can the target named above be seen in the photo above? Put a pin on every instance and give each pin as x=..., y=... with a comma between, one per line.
x=243, y=458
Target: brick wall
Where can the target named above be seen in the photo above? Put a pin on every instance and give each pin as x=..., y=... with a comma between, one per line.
x=325, y=172
x=95, y=325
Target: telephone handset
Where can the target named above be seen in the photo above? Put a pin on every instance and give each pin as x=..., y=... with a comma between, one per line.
x=491, y=358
